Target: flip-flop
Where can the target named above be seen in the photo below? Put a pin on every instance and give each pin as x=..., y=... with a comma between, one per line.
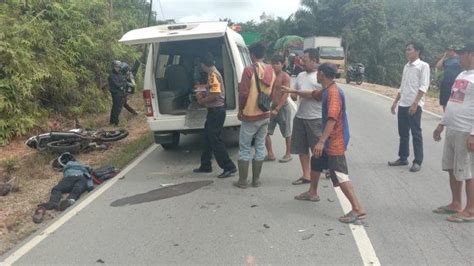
x=458, y=218
x=352, y=217
x=268, y=159
x=285, y=159
x=306, y=196
x=301, y=181
x=444, y=210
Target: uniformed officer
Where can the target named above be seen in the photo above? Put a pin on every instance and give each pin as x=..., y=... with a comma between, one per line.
x=214, y=100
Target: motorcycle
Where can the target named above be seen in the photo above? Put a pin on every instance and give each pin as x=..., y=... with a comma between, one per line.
x=74, y=140
x=355, y=73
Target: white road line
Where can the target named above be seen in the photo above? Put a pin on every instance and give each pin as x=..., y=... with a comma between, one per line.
x=16, y=255
x=361, y=238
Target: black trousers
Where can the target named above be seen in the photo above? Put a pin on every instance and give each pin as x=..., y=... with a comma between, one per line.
x=117, y=103
x=74, y=185
x=407, y=123
x=212, y=141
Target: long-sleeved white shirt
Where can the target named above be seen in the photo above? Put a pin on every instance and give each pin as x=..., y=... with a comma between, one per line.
x=416, y=77
x=459, y=113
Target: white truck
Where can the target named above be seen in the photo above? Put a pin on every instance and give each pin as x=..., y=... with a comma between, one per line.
x=330, y=50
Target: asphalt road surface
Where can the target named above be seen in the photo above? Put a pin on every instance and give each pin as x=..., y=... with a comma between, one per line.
x=140, y=219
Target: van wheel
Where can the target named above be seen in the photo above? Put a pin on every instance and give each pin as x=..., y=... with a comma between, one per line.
x=172, y=145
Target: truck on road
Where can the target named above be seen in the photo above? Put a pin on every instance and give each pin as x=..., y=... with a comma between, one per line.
x=330, y=50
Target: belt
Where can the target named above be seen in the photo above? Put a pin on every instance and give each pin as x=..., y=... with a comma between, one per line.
x=215, y=108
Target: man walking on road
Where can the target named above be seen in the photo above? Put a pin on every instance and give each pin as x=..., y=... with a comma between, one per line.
x=256, y=77
x=307, y=121
x=410, y=100
x=214, y=100
x=458, y=151
x=281, y=111
x=329, y=152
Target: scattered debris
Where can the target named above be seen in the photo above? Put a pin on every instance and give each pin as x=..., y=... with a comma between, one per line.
x=306, y=237
x=100, y=261
x=330, y=200
x=342, y=234
x=326, y=234
x=176, y=245
x=121, y=178
x=166, y=185
x=301, y=230
x=330, y=229
x=266, y=226
x=254, y=205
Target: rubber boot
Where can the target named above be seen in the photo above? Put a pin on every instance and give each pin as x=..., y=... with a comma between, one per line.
x=243, y=173
x=256, y=170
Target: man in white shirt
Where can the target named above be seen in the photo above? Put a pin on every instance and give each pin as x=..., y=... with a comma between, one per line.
x=307, y=124
x=458, y=152
x=410, y=100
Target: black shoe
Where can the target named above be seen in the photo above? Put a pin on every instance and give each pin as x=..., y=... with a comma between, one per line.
x=202, y=170
x=415, y=167
x=398, y=162
x=227, y=173
x=64, y=204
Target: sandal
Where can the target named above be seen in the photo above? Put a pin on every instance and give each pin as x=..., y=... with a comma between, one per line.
x=459, y=218
x=301, y=181
x=444, y=210
x=307, y=196
x=285, y=159
x=269, y=159
x=39, y=215
x=352, y=217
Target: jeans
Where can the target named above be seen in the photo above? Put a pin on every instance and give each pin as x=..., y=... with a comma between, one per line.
x=212, y=141
x=74, y=185
x=407, y=123
x=248, y=131
x=117, y=102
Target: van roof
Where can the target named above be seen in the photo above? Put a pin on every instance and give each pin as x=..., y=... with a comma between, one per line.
x=175, y=32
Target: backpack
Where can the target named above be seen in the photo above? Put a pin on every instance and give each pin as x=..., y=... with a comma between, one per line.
x=103, y=173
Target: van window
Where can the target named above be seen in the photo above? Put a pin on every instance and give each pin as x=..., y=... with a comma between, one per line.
x=244, y=55
x=178, y=69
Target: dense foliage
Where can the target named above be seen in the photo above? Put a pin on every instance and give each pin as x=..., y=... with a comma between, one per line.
x=55, y=56
x=375, y=32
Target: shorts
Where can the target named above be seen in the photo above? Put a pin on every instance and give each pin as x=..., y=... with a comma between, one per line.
x=305, y=136
x=336, y=164
x=283, y=119
x=456, y=157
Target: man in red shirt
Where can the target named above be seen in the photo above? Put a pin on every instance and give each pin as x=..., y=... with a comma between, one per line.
x=329, y=152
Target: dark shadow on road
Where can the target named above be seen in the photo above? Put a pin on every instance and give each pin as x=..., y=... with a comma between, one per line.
x=162, y=193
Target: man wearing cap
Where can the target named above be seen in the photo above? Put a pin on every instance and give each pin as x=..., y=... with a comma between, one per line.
x=329, y=151
x=410, y=100
x=458, y=151
x=449, y=63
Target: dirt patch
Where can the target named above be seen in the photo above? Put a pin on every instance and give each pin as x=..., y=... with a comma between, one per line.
x=35, y=177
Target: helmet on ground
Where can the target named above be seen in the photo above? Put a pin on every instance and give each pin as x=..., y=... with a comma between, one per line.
x=64, y=158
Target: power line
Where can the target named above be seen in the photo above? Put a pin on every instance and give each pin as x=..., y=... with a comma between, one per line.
x=161, y=10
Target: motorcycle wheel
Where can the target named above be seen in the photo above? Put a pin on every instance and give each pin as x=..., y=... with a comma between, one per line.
x=359, y=81
x=348, y=80
x=114, y=135
x=42, y=144
x=61, y=146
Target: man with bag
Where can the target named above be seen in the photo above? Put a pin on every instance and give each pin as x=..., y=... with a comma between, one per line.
x=254, y=112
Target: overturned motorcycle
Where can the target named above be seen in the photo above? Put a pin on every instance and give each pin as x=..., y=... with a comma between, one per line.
x=74, y=140
x=355, y=73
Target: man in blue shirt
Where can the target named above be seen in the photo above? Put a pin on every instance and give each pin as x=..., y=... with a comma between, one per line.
x=449, y=63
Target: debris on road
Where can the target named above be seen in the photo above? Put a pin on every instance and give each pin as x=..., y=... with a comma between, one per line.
x=254, y=205
x=330, y=200
x=306, y=237
x=100, y=261
x=266, y=226
x=301, y=230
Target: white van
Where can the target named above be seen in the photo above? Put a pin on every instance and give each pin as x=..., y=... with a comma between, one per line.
x=172, y=69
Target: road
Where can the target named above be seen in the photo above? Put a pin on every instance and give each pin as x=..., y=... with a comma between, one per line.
x=132, y=222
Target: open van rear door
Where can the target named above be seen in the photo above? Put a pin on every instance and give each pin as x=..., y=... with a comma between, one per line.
x=175, y=32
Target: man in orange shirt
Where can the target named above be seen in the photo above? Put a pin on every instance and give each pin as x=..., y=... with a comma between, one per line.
x=329, y=152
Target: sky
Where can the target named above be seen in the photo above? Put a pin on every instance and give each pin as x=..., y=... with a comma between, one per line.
x=212, y=10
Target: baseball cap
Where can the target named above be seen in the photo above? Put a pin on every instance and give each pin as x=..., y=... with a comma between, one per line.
x=468, y=47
